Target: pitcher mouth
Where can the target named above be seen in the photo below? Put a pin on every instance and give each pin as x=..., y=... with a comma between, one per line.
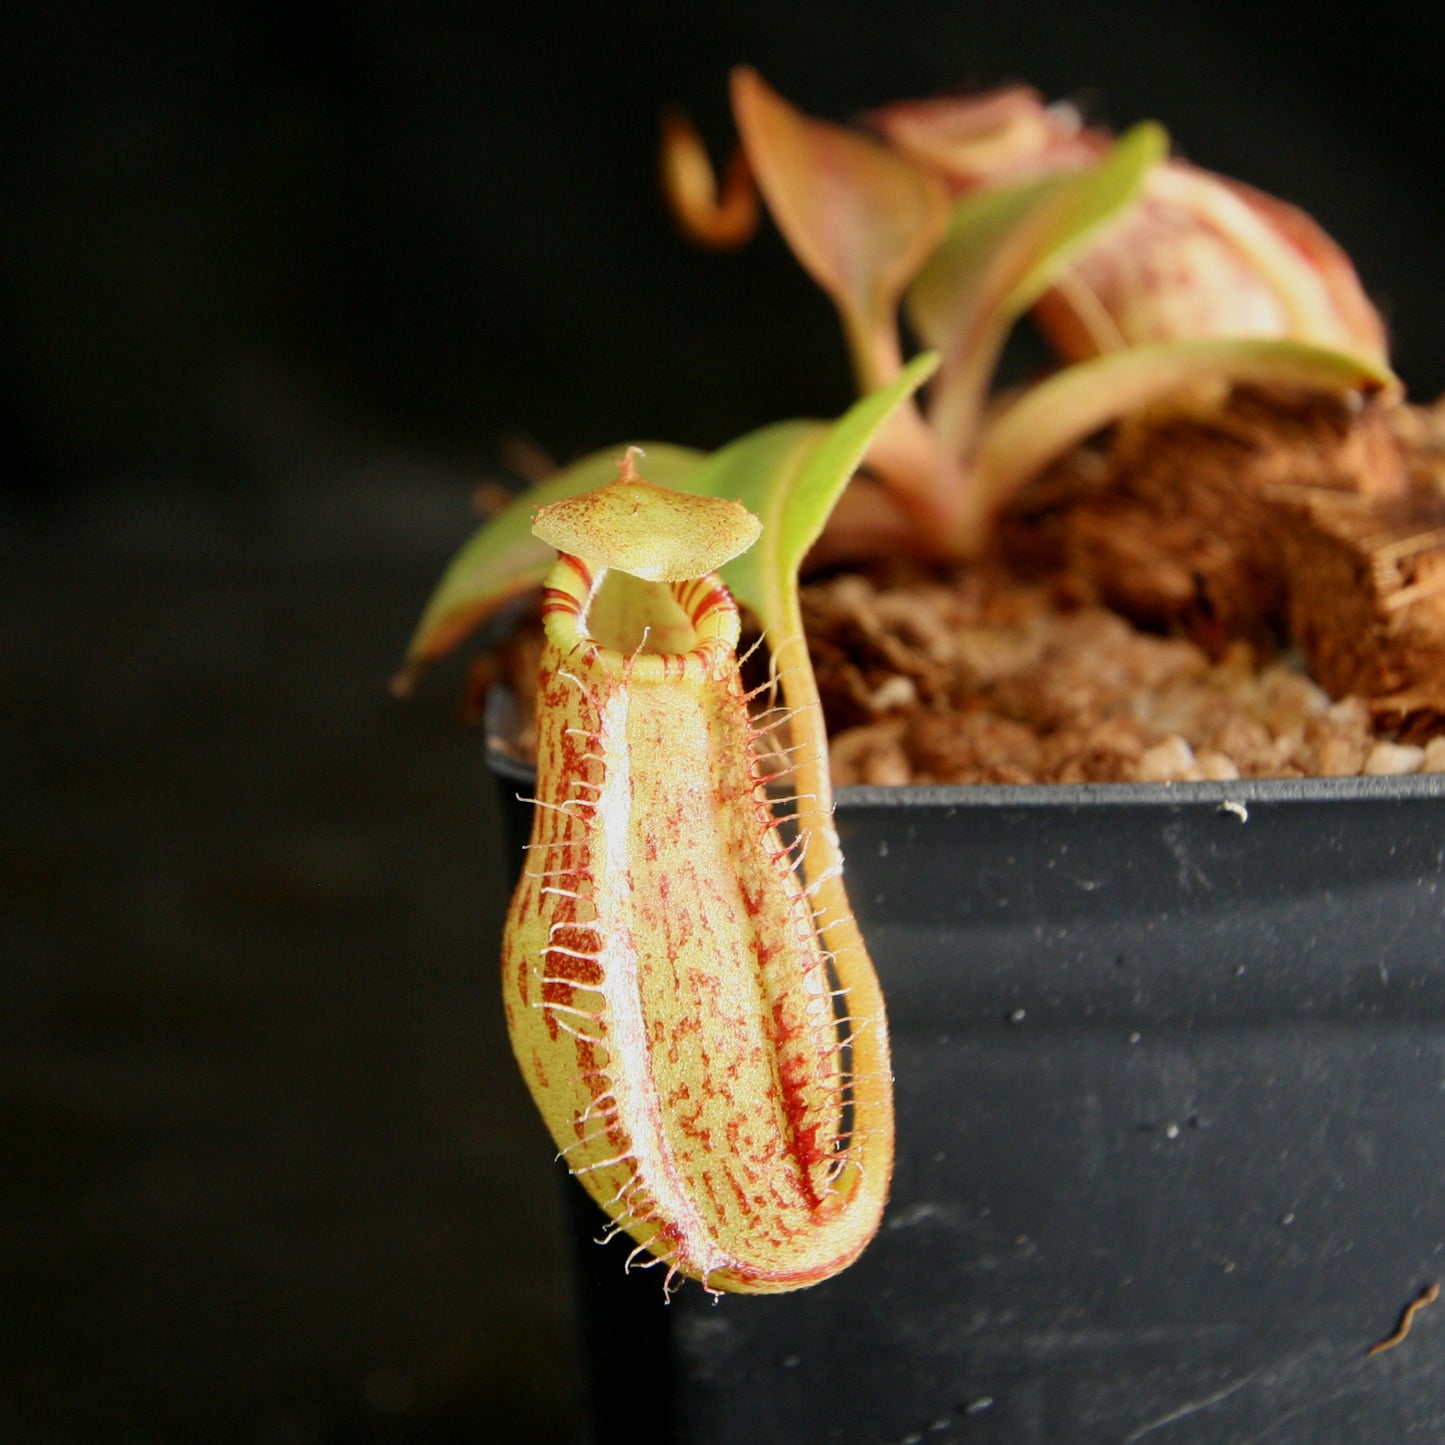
x=646, y=631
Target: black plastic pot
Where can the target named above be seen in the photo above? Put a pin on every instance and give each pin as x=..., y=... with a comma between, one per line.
x=1170, y=1067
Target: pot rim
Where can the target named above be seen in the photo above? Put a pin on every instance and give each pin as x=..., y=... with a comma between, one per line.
x=501, y=710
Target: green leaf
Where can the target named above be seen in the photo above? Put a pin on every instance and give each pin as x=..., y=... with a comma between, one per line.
x=504, y=560
x=979, y=260
x=759, y=470
x=791, y=475
x=1076, y=214
x=1004, y=248
x=1059, y=413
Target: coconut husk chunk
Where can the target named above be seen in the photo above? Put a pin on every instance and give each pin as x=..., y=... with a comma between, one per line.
x=1177, y=523
x=1367, y=604
x=1306, y=519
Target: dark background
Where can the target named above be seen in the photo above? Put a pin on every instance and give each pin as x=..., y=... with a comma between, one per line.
x=278, y=285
